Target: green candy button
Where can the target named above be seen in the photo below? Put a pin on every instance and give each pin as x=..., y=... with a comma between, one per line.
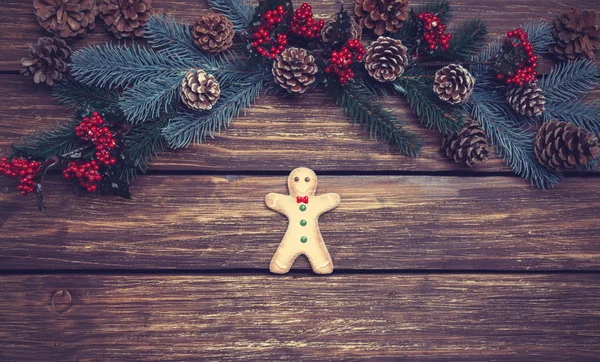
x=303, y=222
x=303, y=239
x=302, y=207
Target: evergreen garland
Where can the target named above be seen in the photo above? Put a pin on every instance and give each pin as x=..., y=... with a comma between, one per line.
x=138, y=89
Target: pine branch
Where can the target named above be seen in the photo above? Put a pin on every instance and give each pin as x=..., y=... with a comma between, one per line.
x=150, y=99
x=144, y=143
x=76, y=95
x=173, y=39
x=409, y=31
x=189, y=127
x=56, y=141
x=570, y=80
x=417, y=85
x=239, y=12
x=513, y=142
x=440, y=7
x=467, y=41
x=113, y=66
x=580, y=113
x=380, y=123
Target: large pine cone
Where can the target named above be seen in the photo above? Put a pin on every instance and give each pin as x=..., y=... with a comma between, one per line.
x=576, y=35
x=47, y=61
x=355, y=31
x=453, y=84
x=385, y=59
x=294, y=70
x=562, y=145
x=213, y=32
x=468, y=145
x=381, y=15
x=125, y=18
x=66, y=18
x=199, y=90
x=527, y=100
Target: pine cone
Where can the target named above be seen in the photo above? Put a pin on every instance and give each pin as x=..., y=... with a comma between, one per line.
x=527, y=100
x=66, y=18
x=199, y=90
x=562, y=145
x=294, y=70
x=125, y=18
x=468, y=145
x=385, y=59
x=576, y=35
x=47, y=61
x=453, y=84
x=355, y=31
x=213, y=32
x=381, y=15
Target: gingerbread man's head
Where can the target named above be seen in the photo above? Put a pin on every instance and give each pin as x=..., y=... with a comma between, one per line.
x=302, y=182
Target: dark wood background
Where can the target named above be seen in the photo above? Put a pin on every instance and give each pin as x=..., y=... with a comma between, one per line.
x=433, y=260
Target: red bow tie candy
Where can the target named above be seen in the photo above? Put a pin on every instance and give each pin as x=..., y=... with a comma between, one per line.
x=300, y=199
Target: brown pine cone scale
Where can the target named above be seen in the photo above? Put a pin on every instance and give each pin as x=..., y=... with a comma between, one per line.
x=469, y=145
x=527, y=100
x=66, y=18
x=385, y=59
x=125, y=18
x=576, y=35
x=213, y=32
x=453, y=84
x=199, y=90
x=47, y=61
x=562, y=145
x=294, y=70
x=381, y=15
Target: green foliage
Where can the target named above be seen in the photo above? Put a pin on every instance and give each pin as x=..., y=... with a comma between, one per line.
x=466, y=42
x=410, y=30
x=380, y=123
x=565, y=87
x=144, y=143
x=57, y=140
x=75, y=95
x=150, y=99
x=513, y=142
x=417, y=85
x=239, y=12
x=188, y=127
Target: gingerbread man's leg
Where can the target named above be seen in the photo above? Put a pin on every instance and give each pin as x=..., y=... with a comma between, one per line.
x=320, y=260
x=283, y=259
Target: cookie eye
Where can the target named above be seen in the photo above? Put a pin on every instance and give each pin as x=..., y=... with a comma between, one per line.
x=307, y=179
x=296, y=179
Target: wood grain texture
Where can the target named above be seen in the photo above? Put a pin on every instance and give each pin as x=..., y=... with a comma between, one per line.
x=262, y=317
x=221, y=222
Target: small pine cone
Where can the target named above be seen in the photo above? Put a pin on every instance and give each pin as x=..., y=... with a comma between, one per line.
x=527, y=100
x=125, y=18
x=66, y=18
x=562, y=145
x=381, y=15
x=385, y=59
x=199, y=90
x=213, y=32
x=355, y=31
x=48, y=61
x=468, y=145
x=453, y=84
x=294, y=70
x=576, y=35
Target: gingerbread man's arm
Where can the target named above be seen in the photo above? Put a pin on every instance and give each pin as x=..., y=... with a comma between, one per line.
x=275, y=201
x=331, y=200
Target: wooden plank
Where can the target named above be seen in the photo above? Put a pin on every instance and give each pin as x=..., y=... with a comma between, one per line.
x=18, y=26
x=221, y=222
x=259, y=317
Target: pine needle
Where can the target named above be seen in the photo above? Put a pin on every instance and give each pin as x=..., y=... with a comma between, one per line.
x=239, y=12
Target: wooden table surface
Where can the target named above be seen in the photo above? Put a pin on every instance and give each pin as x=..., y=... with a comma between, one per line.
x=433, y=261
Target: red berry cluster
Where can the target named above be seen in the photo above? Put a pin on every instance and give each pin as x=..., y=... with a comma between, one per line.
x=93, y=129
x=304, y=25
x=340, y=62
x=85, y=172
x=261, y=37
x=526, y=73
x=434, y=31
x=22, y=168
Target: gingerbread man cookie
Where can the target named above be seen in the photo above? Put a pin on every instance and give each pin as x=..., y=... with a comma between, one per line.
x=302, y=209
